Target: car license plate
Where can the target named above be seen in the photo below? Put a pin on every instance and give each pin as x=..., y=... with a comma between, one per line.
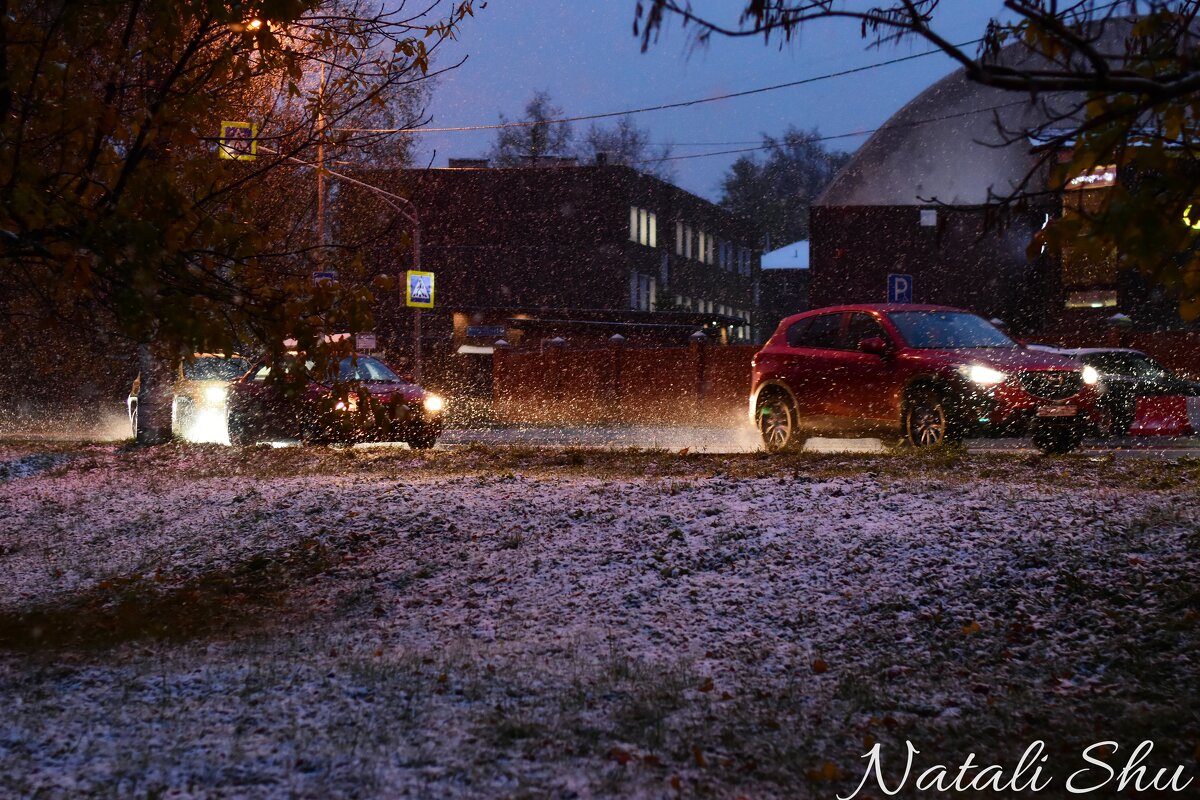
x=1056, y=411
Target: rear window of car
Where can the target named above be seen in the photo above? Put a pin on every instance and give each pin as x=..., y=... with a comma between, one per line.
x=935, y=330
x=822, y=332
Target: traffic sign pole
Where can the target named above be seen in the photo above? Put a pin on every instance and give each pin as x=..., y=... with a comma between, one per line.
x=417, y=311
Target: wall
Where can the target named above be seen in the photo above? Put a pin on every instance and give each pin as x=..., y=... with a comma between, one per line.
x=698, y=384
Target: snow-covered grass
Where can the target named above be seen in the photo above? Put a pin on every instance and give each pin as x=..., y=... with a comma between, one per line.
x=207, y=621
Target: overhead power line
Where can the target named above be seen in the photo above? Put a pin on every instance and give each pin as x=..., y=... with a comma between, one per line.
x=779, y=144
x=663, y=106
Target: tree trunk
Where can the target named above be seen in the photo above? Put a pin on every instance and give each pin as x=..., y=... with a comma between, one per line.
x=155, y=395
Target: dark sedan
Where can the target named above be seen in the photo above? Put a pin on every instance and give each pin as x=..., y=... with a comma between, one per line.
x=1126, y=375
x=363, y=400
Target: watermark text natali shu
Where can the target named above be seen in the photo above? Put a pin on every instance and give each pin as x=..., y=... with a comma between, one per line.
x=1103, y=765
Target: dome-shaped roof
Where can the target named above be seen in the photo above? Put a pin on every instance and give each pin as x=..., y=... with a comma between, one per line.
x=956, y=141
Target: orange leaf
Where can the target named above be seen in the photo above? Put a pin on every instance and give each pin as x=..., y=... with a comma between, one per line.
x=707, y=686
x=819, y=666
x=622, y=757
x=972, y=628
x=697, y=754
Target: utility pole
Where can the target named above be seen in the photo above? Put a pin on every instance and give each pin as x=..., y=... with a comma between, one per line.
x=321, y=170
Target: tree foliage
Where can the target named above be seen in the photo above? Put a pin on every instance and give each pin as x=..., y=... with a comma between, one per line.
x=116, y=214
x=774, y=194
x=535, y=136
x=542, y=134
x=1115, y=81
x=624, y=142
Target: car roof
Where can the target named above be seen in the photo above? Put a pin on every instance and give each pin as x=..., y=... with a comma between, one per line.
x=872, y=307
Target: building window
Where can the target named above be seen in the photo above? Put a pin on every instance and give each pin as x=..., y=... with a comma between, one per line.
x=642, y=292
x=1095, y=298
x=687, y=241
x=643, y=226
x=664, y=270
x=1087, y=273
x=678, y=238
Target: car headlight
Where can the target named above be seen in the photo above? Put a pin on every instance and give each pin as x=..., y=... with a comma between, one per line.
x=214, y=395
x=984, y=376
x=1090, y=376
x=350, y=404
x=433, y=403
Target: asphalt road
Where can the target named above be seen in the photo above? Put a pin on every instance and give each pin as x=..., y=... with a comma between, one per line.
x=746, y=440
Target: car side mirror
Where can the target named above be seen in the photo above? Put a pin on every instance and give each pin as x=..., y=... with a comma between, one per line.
x=875, y=345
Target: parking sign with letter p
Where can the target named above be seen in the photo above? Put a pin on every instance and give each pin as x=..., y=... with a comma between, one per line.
x=899, y=288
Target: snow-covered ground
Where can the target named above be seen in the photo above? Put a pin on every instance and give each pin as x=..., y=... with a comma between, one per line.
x=221, y=622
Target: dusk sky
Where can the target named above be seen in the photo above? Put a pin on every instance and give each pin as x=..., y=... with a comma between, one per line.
x=585, y=55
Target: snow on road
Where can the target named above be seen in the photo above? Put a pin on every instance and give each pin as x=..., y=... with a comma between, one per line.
x=492, y=622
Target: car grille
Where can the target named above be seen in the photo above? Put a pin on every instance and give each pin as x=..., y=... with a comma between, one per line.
x=1052, y=384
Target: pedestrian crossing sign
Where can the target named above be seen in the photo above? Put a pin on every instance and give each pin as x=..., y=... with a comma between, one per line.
x=419, y=289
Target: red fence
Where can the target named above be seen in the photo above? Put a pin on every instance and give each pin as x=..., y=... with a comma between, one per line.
x=699, y=383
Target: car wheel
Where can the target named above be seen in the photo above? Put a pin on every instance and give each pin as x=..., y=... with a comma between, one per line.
x=777, y=422
x=422, y=441
x=1057, y=439
x=926, y=423
x=1123, y=415
x=235, y=426
x=182, y=417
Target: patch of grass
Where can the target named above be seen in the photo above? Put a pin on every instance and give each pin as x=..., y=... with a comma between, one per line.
x=140, y=607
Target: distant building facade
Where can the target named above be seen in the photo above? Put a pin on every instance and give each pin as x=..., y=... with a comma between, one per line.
x=581, y=253
x=592, y=244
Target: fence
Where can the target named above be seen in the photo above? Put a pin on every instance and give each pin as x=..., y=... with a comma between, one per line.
x=700, y=383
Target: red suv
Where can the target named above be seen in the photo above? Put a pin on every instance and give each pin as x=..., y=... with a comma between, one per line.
x=928, y=373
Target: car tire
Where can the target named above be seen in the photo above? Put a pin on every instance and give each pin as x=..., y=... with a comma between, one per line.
x=1123, y=414
x=236, y=428
x=1057, y=440
x=422, y=441
x=777, y=422
x=927, y=420
x=182, y=416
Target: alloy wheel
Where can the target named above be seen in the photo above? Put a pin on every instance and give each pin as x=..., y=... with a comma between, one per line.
x=927, y=424
x=775, y=422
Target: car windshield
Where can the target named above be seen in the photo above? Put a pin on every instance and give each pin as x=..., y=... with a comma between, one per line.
x=945, y=329
x=214, y=368
x=367, y=369
x=1133, y=365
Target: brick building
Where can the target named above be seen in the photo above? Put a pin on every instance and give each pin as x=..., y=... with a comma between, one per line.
x=579, y=252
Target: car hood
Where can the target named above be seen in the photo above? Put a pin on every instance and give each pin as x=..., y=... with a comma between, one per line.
x=1005, y=359
x=409, y=392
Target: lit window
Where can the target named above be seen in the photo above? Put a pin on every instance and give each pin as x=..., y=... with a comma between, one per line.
x=678, y=238
x=687, y=241
x=1099, y=298
x=643, y=226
